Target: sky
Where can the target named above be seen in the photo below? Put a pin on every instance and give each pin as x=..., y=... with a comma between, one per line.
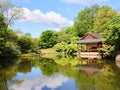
x=41, y=15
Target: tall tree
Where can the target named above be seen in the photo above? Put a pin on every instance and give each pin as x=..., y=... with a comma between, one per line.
x=85, y=20
x=104, y=15
x=48, y=39
x=113, y=27
x=25, y=43
x=2, y=27
x=67, y=35
x=11, y=13
x=63, y=36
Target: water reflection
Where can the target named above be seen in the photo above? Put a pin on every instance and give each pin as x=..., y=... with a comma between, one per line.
x=48, y=67
x=64, y=73
x=39, y=83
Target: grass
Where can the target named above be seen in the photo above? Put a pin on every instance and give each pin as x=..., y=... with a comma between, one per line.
x=48, y=53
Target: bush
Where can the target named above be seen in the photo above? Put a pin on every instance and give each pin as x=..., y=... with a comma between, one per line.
x=69, y=48
x=11, y=48
x=61, y=47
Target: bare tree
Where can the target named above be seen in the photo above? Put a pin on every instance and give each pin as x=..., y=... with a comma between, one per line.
x=10, y=12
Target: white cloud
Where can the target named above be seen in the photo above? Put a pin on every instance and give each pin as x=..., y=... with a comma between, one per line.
x=24, y=1
x=27, y=1
x=39, y=83
x=83, y=1
x=51, y=19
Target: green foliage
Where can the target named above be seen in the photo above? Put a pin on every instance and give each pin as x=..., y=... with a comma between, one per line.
x=34, y=46
x=27, y=44
x=74, y=39
x=2, y=27
x=24, y=43
x=100, y=20
x=68, y=60
x=91, y=19
x=71, y=48
x=70, y=30
x=67, y=35
x=48, y=39
x=113, y=27
x=8, y=38
x=48, y=67
x=85, y=20
x=106, y=49
x=103, y=16
x=11, y=36
x=61, y=47
x=63, y=36
x=11, y=48
x=11, y=44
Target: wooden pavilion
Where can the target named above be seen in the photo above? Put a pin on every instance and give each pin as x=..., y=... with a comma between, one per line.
x=88, y=46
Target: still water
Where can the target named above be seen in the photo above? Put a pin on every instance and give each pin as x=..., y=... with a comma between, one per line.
x=65, y=73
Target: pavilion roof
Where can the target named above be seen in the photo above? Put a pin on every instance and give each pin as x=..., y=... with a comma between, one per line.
x=90, y=38
x=84, y=41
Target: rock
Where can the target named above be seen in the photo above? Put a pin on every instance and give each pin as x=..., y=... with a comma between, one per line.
x=118, y=64
x=117, y=59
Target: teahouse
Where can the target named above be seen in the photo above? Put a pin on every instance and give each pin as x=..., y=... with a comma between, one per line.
x=88, y=46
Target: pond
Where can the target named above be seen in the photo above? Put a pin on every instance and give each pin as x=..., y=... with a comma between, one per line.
x=63, y=73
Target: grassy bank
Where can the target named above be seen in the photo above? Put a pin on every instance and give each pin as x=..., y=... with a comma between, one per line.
x=48, y=53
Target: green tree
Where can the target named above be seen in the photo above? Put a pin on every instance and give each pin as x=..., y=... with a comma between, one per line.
x=48, y=39
x=72, y=34
x=63, y=37
x=113, y=37
x=70, y=30
x=2, y=27
x=11, y=46
x=67, y=35
x=34, y=47
x=104, y=15
x=85, y=20
x=34, y=44
x=11, y=13
x=25, y=43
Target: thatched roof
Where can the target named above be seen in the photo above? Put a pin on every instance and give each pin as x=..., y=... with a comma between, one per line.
x=94, y=38
x=88, y=41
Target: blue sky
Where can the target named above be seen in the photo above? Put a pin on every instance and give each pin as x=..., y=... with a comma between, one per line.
x=44, y=15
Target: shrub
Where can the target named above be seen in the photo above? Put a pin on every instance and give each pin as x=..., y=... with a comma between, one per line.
x=61, y=47
x=71, y=48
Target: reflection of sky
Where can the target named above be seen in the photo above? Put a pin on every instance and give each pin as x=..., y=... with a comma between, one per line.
x=35, y=72
x=36, y=81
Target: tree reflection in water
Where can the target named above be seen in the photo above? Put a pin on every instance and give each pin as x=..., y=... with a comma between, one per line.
x=85, y=75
